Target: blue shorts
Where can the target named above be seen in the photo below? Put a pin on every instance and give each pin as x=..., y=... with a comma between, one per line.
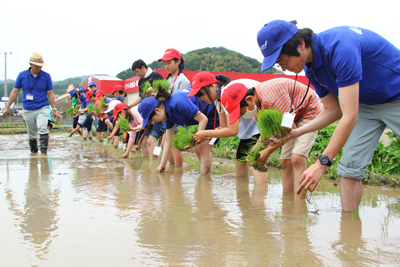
x=88, y=123
x=101, y=126
x=158, y=129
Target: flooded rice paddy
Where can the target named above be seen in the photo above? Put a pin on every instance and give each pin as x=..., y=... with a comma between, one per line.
x=84, y=206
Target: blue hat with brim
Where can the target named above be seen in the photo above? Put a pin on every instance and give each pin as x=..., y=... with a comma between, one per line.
x=92, y=84
x=271, y=39
x=72, y=92
x=146, y=107
x=81, y=89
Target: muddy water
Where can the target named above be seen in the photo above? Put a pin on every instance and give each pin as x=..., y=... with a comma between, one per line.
x=83, y=206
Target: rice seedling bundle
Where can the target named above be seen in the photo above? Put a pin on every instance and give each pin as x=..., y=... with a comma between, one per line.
x=269, y=125
x=183, y=138
x=90, y=108
x=160, y=84
x=123, y=124
x=76, y=108
x=103, y=102
x=96, y=108
x=70, y=111
x=253, y=154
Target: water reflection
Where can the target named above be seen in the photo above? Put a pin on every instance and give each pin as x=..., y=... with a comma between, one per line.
x=37, y=219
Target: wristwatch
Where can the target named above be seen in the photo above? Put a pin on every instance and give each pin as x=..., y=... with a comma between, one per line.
x=325, y=160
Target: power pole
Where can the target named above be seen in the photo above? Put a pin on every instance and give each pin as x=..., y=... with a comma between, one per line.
x=5, y=73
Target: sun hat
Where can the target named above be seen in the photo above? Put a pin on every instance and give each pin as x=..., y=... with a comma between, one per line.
x=92, y=84
x=89, y=94
x=117, y=87
x=146, y=107
x=117, y=109
x=200, y=80
x=170, y=54
x=231, y=98
x=271, y=39
x=112, y=105
x=36, y=59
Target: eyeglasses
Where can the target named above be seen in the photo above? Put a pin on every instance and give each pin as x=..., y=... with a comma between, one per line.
x=283, y=64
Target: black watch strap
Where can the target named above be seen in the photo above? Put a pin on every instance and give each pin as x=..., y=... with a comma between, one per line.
x=325, y=160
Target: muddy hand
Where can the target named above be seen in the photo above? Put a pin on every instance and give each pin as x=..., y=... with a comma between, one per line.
x=311, y=177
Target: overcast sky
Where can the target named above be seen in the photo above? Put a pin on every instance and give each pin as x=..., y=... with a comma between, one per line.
x=87, y=37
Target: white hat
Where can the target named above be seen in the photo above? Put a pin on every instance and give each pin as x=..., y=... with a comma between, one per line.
x=111, y=105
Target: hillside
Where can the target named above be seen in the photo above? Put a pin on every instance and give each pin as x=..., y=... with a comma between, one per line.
x=211, y=59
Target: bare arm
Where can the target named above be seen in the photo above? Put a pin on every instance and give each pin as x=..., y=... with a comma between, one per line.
x=348, y=99
x=202, y=119
x=167, y=149
x=135, y=102
x=11, y=99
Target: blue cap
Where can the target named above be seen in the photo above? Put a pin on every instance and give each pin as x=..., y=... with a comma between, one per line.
x=271, y=39
x=146, y=107
x=92, y=84
x=81, y=89
x=72, y=92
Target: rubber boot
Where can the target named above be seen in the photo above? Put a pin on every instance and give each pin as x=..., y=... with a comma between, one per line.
x=44, y=141
x=33, y=146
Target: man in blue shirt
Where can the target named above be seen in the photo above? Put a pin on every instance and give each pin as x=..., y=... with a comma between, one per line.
x=356, y=73
x=37, y=93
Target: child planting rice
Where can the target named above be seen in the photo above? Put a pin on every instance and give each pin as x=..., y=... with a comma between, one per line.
x=286, y=96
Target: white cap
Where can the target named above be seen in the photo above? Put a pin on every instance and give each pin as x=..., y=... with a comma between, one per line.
x=111, y=105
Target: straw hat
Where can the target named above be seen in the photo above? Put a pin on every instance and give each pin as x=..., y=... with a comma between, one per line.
x=36, y=59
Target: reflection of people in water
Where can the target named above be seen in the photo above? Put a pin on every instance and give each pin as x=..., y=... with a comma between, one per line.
x=38, y=218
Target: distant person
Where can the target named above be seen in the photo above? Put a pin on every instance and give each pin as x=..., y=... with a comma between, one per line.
x=119, y=93
x=92, y=86
x=152, y=131
x=37, y=93
x=356, y=73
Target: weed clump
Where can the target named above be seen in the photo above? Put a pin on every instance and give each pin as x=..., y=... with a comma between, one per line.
x=183, y=138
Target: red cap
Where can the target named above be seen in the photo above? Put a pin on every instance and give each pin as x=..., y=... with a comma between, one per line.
x=117, y=88
x=231, y=98
x=169, y=54
x=99, y=94
x=89, y=94
x=118, y=108
x=200, y=80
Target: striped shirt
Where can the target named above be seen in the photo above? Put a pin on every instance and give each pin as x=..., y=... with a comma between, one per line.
x=282, y=94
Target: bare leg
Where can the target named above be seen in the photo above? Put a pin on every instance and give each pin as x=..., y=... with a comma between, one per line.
x=205, y=157
x=287, y=175
x=151, y=141
x=350, y=193
x=260, y=177
x=178, y=157
x=242, y=169
x=116, y=141
x=299, y=163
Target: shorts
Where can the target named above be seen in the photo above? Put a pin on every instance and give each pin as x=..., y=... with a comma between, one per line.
x=301, y=145
x=360, y=147
x=138, y=136
x=244, y=146
x=50, y=124
x=158, y=129
x=87, y=125
x=101, y=126
x=75, y=122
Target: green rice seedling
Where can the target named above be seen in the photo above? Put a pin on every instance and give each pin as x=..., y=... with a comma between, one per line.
x=90, y=108
x=252, y=156
x=160, y=84
x=96, y=109
x=183, y=138
x=123, y=124
x=76, y=108
x=269, y=125
x=70, y=111
x=103, y=102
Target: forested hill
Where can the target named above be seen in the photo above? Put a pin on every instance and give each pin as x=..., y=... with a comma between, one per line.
x=211, y=59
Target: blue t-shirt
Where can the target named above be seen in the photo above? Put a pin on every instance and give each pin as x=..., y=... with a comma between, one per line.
x=346, y=55
x=181, y=109
x=37, y=86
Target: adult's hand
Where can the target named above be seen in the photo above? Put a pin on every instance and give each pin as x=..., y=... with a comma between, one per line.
x=56, y=115
x=6, y=112
x=311, y=177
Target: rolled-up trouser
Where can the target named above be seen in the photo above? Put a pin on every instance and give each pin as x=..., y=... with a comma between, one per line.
x=36, y=121
x=359, y=148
